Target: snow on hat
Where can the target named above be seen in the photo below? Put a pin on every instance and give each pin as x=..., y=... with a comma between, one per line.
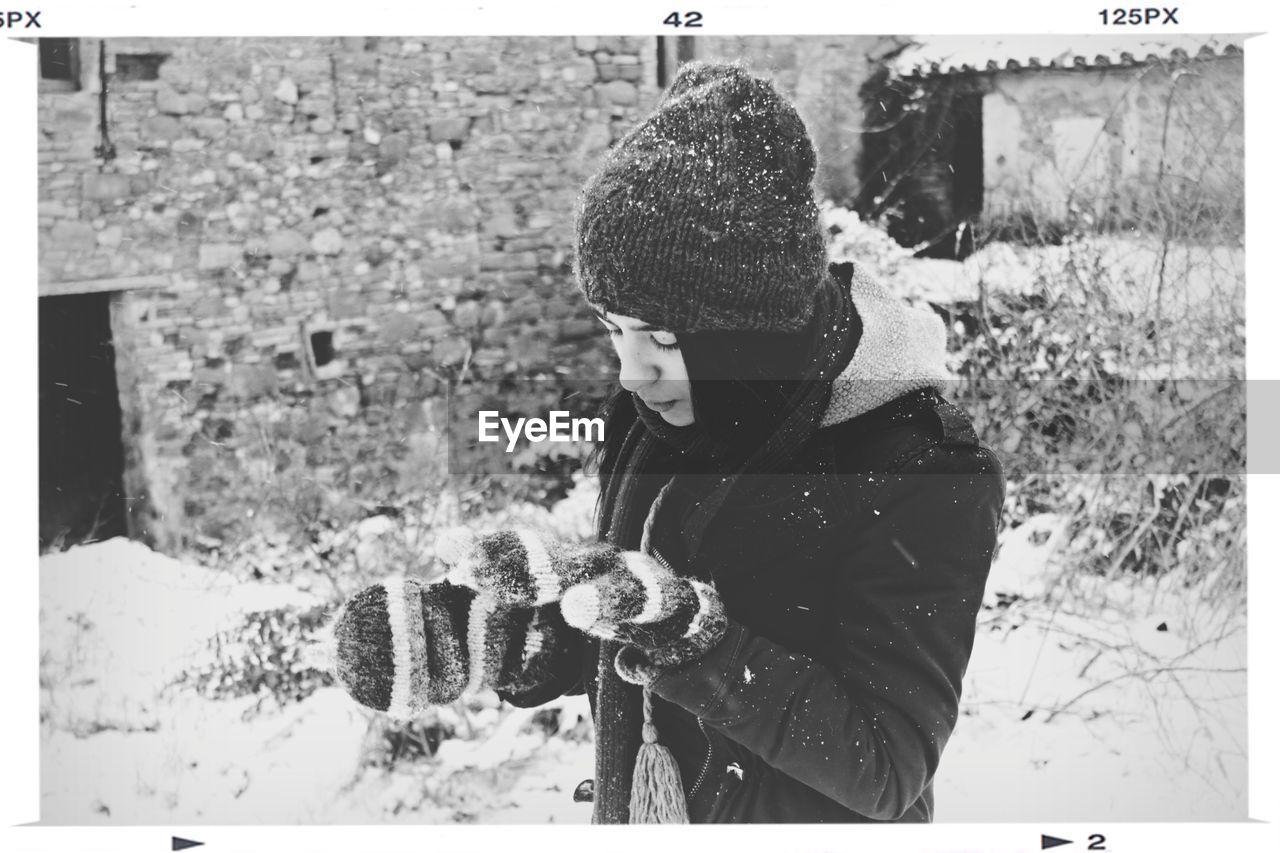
x=703, y=216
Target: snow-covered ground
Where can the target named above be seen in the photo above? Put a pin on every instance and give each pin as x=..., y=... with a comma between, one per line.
x=120, y=622
x=1136, y=701
x=1120, y=701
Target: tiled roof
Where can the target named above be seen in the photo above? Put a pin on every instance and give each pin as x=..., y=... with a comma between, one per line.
x=952, y=54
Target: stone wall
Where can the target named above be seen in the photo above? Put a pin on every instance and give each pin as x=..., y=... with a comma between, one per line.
x=404, y=203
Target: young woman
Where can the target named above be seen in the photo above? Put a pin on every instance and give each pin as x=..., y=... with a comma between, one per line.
x=796, y=528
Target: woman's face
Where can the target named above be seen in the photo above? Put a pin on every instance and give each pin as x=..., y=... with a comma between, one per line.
x=651, y=366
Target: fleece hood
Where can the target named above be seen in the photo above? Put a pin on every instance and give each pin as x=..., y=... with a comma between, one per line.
x=902, y=349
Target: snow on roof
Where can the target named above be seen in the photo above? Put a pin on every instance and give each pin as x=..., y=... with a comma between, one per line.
x=955, y=54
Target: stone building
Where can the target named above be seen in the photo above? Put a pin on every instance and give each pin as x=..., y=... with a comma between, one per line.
x=261, y=259
x=1021, y=133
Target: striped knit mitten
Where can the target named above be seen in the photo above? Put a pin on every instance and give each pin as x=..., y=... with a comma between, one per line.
x=662, y=618
x=401, y=645
x=520, y=567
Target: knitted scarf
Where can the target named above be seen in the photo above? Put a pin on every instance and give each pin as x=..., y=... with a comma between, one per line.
x=654, y=453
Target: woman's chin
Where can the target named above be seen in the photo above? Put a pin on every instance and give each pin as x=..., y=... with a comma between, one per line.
x=678, y=416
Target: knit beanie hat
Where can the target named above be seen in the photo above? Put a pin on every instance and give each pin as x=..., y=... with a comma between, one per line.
x=703, y=216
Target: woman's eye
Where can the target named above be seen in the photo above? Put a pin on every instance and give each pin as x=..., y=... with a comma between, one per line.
x=665, y=340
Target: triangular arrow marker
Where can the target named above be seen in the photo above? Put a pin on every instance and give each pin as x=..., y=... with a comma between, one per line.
x=184, y=843
x=1047, y=841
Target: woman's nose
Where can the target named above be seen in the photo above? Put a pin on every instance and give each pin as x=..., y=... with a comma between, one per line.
x=634, y=371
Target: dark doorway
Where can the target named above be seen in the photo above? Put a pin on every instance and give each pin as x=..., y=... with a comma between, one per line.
x=967, y=160
x=968, y=156
x=81, y=450
x=953, y=182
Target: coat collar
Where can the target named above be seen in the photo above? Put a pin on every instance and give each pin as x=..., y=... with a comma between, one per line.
x=902, y=349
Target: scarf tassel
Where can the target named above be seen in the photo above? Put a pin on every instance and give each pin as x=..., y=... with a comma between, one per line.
x=657, y=792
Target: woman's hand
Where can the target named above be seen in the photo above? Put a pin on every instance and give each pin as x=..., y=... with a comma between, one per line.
x=401, y=645
x=663, y=619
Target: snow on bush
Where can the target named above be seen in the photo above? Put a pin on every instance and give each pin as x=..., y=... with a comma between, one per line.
x=850, y=238
x=1132, y=271
x=118, y=622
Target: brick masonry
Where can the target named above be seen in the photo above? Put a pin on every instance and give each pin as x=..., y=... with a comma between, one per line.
x=412, y=197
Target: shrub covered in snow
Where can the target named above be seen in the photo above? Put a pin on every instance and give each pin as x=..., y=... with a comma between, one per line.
x=850, y=238
x=264, y=655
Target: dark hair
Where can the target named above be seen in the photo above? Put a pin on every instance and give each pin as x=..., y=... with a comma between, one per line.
x=741, y=383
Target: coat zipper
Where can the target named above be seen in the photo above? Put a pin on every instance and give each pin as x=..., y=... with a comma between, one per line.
x=706, y=762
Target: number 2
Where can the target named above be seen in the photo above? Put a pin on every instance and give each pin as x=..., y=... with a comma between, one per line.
x=1097, y=841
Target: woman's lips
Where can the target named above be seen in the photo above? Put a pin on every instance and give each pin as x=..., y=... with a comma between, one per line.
x=663, y=406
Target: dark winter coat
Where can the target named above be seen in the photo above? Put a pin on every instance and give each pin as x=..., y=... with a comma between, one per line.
x=853, y=591
x=852, y=585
